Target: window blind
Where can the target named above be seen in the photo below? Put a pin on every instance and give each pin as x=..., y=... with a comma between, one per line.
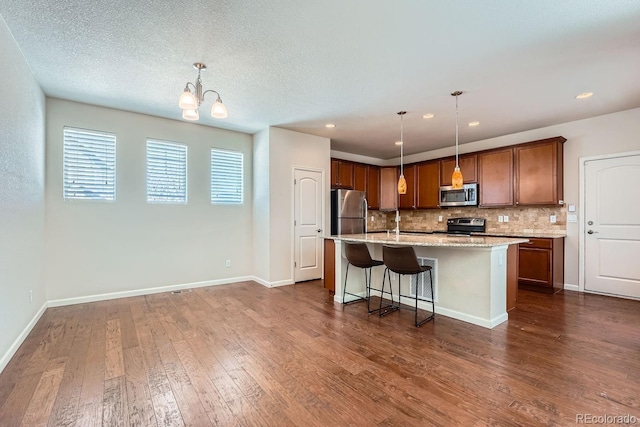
x=226, y=177
x=166, y=172
x=89, y=164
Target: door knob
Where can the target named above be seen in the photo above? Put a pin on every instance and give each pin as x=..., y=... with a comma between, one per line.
x=591, y=232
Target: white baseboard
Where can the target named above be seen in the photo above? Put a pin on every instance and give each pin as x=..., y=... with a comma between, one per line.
x=4, y=361
x=485, y=323
x=568, y=287
x=272, y=284
x=145, y=291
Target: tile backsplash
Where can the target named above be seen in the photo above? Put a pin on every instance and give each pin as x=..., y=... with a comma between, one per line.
x=521, y=219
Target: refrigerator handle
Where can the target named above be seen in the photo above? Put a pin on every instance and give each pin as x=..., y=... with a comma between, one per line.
x=366, y=215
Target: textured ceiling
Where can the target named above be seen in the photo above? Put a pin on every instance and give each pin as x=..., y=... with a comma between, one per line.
x=301, y=64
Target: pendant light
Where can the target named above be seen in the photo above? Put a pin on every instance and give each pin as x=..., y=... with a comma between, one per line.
x=456, y=177
x=402, y=183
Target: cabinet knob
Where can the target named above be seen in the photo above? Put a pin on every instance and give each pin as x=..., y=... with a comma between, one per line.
x=517, y=203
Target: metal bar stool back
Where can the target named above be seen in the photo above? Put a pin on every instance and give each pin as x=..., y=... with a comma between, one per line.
x=402, y=260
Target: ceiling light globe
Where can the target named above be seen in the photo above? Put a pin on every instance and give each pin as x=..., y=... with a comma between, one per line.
x=188, y=101
x=190, y=114
x=219, y=111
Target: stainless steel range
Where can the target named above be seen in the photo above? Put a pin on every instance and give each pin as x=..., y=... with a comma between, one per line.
x=464, y=226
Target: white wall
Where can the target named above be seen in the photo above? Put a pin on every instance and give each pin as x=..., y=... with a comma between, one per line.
x=96, y=247
x=22, y=115
x=261, y=199
x=286, y=149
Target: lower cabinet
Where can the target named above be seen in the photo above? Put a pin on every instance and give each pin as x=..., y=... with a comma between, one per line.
x=330, y=265
x=541, y=265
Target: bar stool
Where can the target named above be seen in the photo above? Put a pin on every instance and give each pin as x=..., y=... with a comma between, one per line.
x=358, y=255
x=402, y=260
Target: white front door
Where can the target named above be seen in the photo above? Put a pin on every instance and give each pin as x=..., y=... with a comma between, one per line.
x=612, y=226
x=308, y=225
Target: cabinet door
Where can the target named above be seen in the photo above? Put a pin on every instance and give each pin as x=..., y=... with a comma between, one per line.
x=388, y=188
x=408, y=201
x=495, y=177
x=539, y=177
x=359, y=177
x=467, y=165
x=428, y=185
x=373, y=187
x=330, y=265
x=335, y=177
x=346, y=174
x=534, y=266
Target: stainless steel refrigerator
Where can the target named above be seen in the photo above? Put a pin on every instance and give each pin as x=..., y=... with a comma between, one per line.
x=348, y=212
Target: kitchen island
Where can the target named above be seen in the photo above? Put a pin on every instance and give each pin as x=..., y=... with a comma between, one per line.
x=470, y=273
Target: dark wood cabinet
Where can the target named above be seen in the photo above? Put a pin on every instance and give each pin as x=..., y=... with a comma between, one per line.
x=428, y=185
x=512, y=277
x=539, y=174
x=341, y=174
x=388, y=188
x=541, y=264
x=360, y=177
x=468, y=167
x=330, y=265
x=408, y=200
x=495, y=177
x=373, y=187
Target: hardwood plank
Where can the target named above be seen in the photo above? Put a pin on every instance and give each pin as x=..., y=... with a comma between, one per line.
x=39, y=409
x=114, y=361
x=139, y=404
x=114, y=403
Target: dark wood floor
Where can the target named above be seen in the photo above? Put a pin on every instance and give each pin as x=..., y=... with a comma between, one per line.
x=244, y=354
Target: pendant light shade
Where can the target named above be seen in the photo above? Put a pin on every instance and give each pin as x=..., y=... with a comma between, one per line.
x=456, y=177
x=402, y=183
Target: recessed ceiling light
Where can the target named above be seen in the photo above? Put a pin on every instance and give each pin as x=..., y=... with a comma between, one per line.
x=330, y=125
x=476, y=123
x=399, y=142
x=428, y=116
x=584, y=95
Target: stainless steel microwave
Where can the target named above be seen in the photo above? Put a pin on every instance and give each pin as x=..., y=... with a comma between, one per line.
x=465, y=196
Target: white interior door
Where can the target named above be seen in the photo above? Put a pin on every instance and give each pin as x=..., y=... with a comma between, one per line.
x=308, y=225
x=612, y=226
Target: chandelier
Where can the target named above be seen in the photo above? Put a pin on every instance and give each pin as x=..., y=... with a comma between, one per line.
x=193, y=96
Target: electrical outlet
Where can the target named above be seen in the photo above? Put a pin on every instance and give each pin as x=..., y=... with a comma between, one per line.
x=439, y=218
x=30, y=295
x=572, y=218
x=500, y=218
x=228, y=263
x=506, y=218
x=372, y=219
x=552, y=219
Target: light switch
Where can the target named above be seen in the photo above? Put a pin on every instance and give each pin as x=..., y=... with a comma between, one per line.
x=439, y=218
x=572, y=208
x=506, y=218
x=500, y=218
x=572, y=218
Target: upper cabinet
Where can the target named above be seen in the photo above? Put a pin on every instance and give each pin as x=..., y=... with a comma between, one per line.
x=408, y=200
x=373, y=187
x=495, y=177
x=538, y=172
x=360, y=177
x=467, y=163
x=388, y=188
x=428, y=185
x=341, y=174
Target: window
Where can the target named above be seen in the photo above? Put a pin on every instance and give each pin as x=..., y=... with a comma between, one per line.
x=89, y=164
x=226, y=177
x=166, y=172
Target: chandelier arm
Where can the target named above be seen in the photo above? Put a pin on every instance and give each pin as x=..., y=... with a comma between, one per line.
x=210, y=90
x=189, y=83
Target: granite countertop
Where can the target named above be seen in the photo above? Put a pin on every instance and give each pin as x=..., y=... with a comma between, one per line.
x=425, y=239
